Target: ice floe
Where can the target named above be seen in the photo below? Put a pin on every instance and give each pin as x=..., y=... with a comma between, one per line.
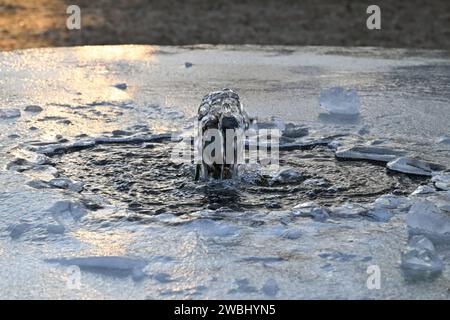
x=270, y=288
x=53, y=148
x=368, y=153
x=63, y=183
x=420, y=260
x=339, y=101
x=9, y=113
x=444, y=140
x=295, y=131
x=211, y=228
x=441, y=200
x=391, y=202
x=58, y=183
x=442, y=181
x=39, y=172
x=291, y=234
x=423, y=190
x=348, y=210
x=286, y=176
x=16, y=230
x=414, y=166
x=107, y=265
x=63, y=209
x=311, y=210
x=378, y=214
x=162, y=277
x=23, y=157
x=307, y=143
x=427, y=219
x=337, y=256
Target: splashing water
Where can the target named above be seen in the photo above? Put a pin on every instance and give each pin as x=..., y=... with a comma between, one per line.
x=222, y=121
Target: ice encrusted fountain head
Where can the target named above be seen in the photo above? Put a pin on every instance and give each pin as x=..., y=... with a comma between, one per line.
x=220, y=115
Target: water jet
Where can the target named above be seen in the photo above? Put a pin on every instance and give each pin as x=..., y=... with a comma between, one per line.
x=219, y=141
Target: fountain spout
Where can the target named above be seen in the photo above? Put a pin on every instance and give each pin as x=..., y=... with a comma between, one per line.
x=222, y=122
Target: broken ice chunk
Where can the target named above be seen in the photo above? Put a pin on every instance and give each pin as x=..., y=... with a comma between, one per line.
x=427, y=219
x=211, y=228
x=420, y=261
x=25, y=157
x=108, y=265
x=162, y=277
x=348, y=210
x=368, y=153
x=363, y=131
x=44, y=172
x=81, y=144
x=243, y=286
x=421, y=243
x=37, y=184
x=441, y=200
x=442, y=181
x=48, y=149
x=270, y=288
x=295, y=131
x=444, y=140
x=390, y=201
x=291, y=234
x=379, y=215
x=9, y=113
x=308, y=143
x=272, y=123
x=339, y=101
x=414, y=166
x=16, y=231
x=288, y=175
x=62, y=183
x=310, y=209
x=337, y=256
x=67, y=209
x=384, y=207
x=423, y=190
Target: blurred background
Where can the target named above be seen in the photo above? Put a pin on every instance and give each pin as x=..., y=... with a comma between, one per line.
x=42, y=23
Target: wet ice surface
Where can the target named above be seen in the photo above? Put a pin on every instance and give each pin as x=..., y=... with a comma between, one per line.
x=339, y=101
x=86, y=181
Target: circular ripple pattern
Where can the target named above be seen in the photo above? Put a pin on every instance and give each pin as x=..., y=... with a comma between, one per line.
x=144, y=179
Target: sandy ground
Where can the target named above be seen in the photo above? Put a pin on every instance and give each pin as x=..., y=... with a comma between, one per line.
x=40, y=23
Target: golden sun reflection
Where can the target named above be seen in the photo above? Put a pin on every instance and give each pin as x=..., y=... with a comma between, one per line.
x=105, y=243
x=86, y=92
x=115, y=53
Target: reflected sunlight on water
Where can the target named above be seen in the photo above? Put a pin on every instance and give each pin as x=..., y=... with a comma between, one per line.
x=113, y=243
x=85, y=100
x=114, y=53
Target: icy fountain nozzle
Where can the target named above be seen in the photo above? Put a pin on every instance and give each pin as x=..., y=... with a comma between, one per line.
x=221, y=125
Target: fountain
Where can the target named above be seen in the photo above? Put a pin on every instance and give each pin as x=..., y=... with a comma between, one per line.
x=220, y=135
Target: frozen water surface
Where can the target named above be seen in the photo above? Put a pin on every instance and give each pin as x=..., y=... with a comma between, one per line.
x=86, y=180
x=338, y=101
